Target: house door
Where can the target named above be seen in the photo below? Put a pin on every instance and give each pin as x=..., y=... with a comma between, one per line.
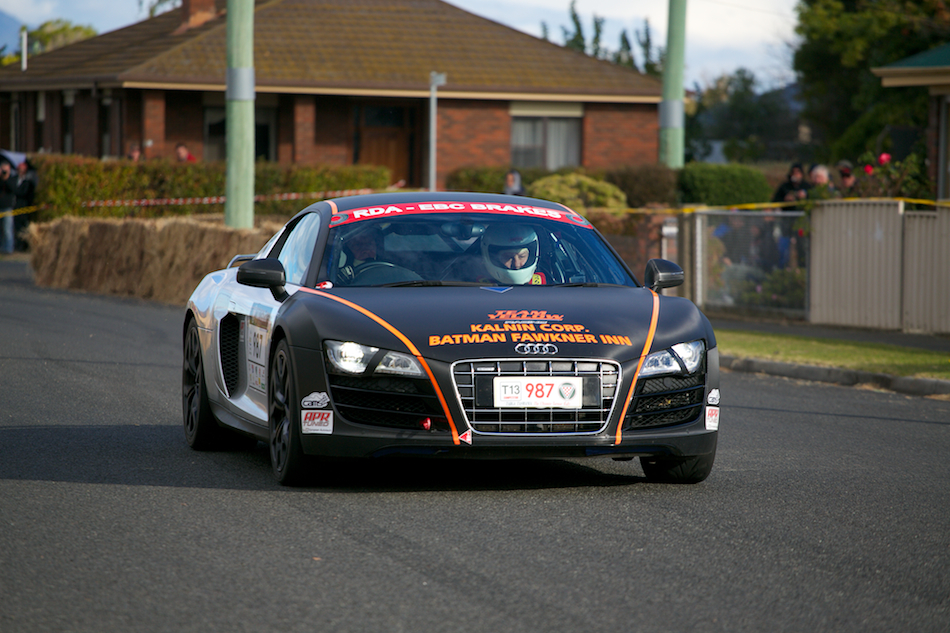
x=386, y=138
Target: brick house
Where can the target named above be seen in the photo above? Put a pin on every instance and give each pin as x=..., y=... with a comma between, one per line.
x=337, y=82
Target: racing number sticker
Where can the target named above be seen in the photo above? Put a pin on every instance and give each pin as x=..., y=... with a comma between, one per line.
x=256, y=357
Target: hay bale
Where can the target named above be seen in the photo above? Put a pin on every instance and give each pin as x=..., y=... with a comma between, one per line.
x=160, y=259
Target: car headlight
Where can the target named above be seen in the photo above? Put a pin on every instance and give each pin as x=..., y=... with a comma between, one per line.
x=684, y=358
x=353, y=358
x=399, y=364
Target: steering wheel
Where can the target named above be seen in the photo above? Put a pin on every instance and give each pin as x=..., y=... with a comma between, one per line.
x=367, y=266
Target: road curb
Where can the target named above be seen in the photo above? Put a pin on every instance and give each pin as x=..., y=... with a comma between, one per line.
x=848, y=377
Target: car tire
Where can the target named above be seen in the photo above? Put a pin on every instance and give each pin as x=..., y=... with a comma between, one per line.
x=678, y=470
x=201, y=428
x=286, y=453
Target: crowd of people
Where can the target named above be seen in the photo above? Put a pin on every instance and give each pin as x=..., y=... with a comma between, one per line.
x=798, y=187
x=755, y=244
x=17, y=188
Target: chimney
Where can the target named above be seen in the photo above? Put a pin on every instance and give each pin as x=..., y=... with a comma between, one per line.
x=194, y=13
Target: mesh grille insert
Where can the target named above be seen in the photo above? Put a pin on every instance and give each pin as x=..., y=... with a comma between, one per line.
x=666, y=401
x=390, y=402
x=474, y=383
x=229, y=335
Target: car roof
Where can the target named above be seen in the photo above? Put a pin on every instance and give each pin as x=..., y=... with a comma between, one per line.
x=402, y=197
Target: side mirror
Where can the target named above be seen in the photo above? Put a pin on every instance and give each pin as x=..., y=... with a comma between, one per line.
x=662, y=273
x=264, y=273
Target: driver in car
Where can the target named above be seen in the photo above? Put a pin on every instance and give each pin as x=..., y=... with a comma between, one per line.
x=359, y=249
x=510, y=254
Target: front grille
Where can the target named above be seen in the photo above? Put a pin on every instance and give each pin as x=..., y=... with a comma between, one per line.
x=391, y=401
x=474, y=381
x=229, y=337
x=665, y=401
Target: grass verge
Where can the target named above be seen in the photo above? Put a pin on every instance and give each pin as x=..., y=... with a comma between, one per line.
x=801, y=350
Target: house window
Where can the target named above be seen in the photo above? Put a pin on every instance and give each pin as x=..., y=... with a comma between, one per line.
x=265, y=134
x=546, y=142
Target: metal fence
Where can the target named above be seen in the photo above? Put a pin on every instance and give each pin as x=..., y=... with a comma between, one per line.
x=749, y=261
x=878, y=265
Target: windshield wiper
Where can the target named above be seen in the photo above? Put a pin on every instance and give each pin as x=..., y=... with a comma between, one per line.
x=427, y=282
x=580, y=284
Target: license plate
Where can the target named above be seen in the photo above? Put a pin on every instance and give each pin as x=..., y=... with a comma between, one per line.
x=538, y=392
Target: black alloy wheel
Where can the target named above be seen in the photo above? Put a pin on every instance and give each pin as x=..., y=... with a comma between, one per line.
x=201, y=429
x=286, y=454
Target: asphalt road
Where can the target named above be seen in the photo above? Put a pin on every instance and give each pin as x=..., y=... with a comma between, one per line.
x=828, y=510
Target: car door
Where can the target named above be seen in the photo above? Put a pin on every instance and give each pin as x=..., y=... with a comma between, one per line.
x=254, y=311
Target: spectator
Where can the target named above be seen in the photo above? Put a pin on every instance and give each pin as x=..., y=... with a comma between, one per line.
x=24, y=189
x=794, y=188
x=513, y=185
x=184, y=156
x=7, y=202
x=135, y=152
x=821, y=184
x=846, y=171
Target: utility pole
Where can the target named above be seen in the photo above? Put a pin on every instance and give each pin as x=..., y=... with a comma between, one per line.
x=435, y=80
x=239, y=121
x=672, y=133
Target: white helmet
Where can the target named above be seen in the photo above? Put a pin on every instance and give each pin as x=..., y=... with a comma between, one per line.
x=499, y=238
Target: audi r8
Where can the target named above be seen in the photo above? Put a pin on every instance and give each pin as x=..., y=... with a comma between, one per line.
x=449, y=325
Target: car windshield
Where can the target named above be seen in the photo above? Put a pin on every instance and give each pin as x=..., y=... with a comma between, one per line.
x=468, y=248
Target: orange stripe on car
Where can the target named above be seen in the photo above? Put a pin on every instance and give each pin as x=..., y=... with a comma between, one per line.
x=412, y=349
x=646, y=350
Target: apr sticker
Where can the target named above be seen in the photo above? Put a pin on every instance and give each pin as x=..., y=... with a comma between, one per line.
x=713, y=397
x=316, y=400
x=466, y=436
x=316, y=422
x=712, y=418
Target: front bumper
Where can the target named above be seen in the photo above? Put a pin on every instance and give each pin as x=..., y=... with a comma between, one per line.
x=687, y=437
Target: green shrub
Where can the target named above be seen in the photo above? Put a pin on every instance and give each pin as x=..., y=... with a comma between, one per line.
x=492, y=179
x=705, y=183
x=66, y=182
x=578, y=192
x=645, y=184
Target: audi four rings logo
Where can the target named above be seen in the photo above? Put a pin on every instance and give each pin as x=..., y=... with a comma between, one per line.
x=536, y=348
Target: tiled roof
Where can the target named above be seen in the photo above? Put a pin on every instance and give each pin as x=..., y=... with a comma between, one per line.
x=338, y=46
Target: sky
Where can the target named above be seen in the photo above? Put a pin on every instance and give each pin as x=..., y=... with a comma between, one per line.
x=721, y=35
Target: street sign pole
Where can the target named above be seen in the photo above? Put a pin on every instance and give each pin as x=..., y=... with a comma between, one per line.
x=435, y=80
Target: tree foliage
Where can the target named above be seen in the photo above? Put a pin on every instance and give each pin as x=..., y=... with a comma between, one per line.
x=574, y=39
x=158, y=6
x=55, y=34
x=842, y=40
x=753, y=125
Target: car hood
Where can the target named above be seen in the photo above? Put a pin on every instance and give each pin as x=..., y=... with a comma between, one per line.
x=452, y=323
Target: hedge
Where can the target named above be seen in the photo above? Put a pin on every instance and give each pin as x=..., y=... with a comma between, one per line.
x=705, y=183
x=65, y=182
x=492, y=179
x=579, y=192
x=643, y=185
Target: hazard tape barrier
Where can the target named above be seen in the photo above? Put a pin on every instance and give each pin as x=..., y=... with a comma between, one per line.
x=767, y=205
x=156, y=202
x=167, y=202
x=21, y=210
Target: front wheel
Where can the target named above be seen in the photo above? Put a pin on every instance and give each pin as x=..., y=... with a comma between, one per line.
x=286, y=453
x=678, y=470
x=201, y=429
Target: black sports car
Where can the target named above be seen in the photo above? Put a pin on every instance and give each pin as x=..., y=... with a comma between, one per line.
x=449, y=324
